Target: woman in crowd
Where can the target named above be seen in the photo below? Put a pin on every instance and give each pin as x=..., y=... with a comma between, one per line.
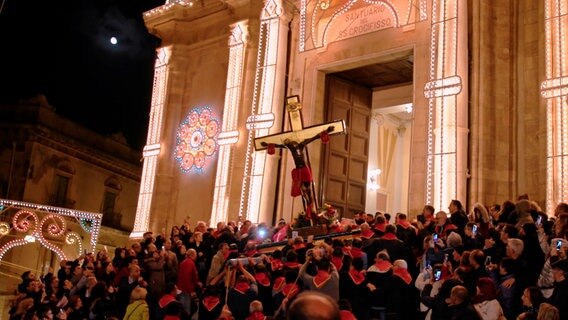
x=137, y=309
x=485, y=302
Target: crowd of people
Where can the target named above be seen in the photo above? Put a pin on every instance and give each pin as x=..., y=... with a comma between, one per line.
x=507, y=261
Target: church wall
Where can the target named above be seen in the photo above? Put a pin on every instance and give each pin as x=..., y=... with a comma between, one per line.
x=507, y=116
x=197, y=71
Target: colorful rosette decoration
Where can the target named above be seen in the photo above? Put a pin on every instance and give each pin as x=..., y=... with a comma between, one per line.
x=196, y=140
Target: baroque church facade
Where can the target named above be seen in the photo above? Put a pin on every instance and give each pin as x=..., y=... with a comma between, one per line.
x=442, y=100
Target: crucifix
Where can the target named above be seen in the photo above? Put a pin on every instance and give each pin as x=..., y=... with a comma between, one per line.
x=296, y=141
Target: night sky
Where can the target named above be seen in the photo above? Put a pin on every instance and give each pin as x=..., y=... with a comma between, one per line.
x=62, y=49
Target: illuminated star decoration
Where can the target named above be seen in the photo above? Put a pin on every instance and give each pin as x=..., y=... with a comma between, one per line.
x=196, y=140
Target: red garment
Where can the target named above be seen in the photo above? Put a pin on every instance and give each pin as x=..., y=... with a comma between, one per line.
x=281, y=234
x=406, y=225
x=324, y=136
x=119, y=275
x=347, y=315
x=321, y=278
x=337, y=262
x=356, y=276
x=300, y=175
x=257, y=315
x=276, y=264
x=380, y=227
x=210, y=302
x=165, y=300
x=290, y=290
x=278, y=283
x=187, y=276
x=367, y=234
x=262, y=279
x=389, y=236
x=383, y=266
x=242, y=287
x=356, y=252
x=292, y=265
x=403, y=274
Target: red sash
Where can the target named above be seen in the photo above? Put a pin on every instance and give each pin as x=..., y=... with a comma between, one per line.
x=292, y=265
x=367, y=234
x=383, y=266
x=380, y=227
x=406, y=225
x=262, y=279
x=356, y=252
x=290, y=290
x=242, y=287
x=210, y=302
x=356, y=276
x=337, y=262
x=278, y=283
x=321, y=278
x=276, y=264
x=389, y=236
x=403, y=274
x=346, y=315
x=165, y=300
x=257, y=315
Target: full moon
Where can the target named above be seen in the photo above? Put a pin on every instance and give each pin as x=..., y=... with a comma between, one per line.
x=113, y=40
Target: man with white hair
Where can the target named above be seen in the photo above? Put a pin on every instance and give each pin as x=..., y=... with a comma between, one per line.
x=514, y=250
x=402, y=298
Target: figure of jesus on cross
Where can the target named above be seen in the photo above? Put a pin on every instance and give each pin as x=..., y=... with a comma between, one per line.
x=296, y=141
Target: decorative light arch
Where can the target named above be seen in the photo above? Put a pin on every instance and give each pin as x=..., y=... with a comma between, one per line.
x=34, y=222
x=313, y=18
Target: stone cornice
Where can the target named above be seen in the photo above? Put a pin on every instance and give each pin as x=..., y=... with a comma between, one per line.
x=68, y=146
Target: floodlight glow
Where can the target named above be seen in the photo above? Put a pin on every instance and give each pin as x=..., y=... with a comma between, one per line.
x=113, y=40
x=555, y=90
x=262, y=103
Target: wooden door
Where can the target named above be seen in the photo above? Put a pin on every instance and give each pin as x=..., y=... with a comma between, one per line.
x=346, y=157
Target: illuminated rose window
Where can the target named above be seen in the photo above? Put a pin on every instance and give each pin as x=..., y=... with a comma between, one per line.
x=196, y=140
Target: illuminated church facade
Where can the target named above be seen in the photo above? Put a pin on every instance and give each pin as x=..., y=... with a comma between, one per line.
x=442, y=100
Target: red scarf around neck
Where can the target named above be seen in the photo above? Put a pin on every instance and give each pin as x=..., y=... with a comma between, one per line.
x=321, y=278
x=389, y=236
x=278, y=283
x=262, y=278
x=276, y=264
x=290, y=289
x=383, y=266
x=367, y=234
x=242, y=287
x=337, y=262
x=357, y=276
x=257, y=315
x=210, y=302
x=292, y=265
x=356, y=252
x=403, y=274
x=380, y=227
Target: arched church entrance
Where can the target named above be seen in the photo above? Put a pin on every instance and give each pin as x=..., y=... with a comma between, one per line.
x=368, y=169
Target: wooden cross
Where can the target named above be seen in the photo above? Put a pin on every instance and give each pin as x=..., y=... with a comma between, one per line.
x=296, y=140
